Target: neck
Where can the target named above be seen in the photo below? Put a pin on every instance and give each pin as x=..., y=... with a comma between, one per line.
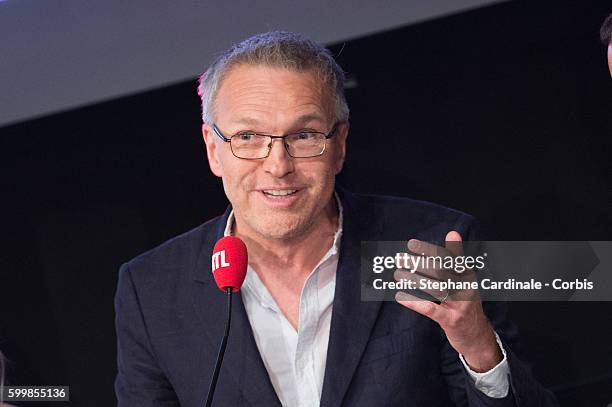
x=295, y=257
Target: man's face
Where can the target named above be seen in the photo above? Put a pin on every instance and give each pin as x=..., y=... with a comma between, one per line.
x=275, y=101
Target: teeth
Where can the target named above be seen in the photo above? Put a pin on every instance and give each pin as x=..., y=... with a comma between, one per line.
x=280, y=192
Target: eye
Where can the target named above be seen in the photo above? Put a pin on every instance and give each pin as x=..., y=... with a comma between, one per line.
x=306, y=135
x=245, y=136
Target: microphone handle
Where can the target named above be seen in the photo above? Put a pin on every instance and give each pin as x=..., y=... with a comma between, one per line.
x=213, y=383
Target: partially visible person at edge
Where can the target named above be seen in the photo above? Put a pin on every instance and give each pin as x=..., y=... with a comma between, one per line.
x=606, y=39
x=2, y=371
x=275, y=126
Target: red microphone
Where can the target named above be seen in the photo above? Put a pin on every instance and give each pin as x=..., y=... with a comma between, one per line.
x=229, y=263
x=229, y=267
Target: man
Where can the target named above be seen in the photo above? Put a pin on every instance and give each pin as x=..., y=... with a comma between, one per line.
x=606, y=38
x=275, y=125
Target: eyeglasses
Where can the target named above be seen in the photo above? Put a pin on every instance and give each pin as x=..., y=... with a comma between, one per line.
x=252, y=146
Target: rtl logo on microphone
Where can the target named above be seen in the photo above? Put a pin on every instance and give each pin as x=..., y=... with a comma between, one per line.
x=218, y=260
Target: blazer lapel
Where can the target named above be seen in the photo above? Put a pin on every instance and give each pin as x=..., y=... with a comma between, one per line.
x=352, y=319
x=242, y=362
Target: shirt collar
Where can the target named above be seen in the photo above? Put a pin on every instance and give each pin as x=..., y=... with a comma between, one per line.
x=252, y=282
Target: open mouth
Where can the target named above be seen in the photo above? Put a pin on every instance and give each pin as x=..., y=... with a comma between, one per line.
x=279, y=193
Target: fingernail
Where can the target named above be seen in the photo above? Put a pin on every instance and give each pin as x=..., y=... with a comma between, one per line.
x=413, y=245
x=401, y=296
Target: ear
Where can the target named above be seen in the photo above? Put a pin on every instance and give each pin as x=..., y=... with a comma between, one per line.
x=340, y=148
x=211, y=150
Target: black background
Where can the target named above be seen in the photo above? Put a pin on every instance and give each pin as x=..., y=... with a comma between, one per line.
x=502, y=112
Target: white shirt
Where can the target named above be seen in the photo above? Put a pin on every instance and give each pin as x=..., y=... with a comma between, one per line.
x=295, y=361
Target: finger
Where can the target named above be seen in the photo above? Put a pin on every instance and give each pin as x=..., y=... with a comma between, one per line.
x=427, y=249
x=435, y=267
x=436, y=293
x=452, y=246
x=456, y=292
x=430, y=267
x=426, y=308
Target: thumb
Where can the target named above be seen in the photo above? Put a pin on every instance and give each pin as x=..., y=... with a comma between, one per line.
x=453, y=243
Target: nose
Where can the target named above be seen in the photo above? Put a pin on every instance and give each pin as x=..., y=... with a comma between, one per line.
x=278, y=163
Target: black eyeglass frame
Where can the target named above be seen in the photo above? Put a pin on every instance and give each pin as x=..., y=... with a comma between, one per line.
x=329, y=135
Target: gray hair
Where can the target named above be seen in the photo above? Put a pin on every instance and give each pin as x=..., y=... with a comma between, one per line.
x=275, y=49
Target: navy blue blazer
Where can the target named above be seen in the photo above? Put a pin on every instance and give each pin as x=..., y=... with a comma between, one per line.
x=170, y=318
